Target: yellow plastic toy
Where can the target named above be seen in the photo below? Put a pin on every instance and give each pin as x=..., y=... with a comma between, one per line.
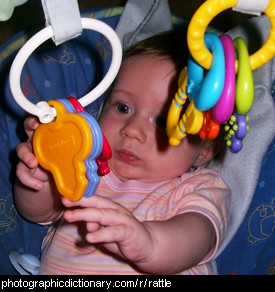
x=192, y=119
x=203, y=16
x=61, y=147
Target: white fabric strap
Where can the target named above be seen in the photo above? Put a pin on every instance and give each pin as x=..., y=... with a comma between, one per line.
x=255, y=7
x=64, y=17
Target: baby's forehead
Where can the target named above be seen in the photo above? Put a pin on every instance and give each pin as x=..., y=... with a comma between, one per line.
x=148, y=58
x=149, y=77
x=153, y=67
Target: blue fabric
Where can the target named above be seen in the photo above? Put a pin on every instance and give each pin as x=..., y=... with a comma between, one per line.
x=73, y=69
x=252, y=249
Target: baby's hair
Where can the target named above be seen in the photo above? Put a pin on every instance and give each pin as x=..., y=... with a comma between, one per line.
x=167, y=45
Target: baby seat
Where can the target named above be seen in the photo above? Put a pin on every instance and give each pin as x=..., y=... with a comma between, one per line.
x=74, y=67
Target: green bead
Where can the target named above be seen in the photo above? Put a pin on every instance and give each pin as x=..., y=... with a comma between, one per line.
x=233, y=118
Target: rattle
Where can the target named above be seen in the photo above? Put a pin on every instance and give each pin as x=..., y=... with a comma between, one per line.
x=206, y=91
x=69, y=141
x=106, y=152
x=223, y=109
x=203, y=94
x=236, y=129
x=210, y=128
x=42, y=110
x=203, y=16
x=62, y=147
x=192, y=119
x=245, y=83
x=228, y=85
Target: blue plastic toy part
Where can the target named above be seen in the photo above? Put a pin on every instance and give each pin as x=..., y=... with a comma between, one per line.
x=90, y=164
x=206, y=91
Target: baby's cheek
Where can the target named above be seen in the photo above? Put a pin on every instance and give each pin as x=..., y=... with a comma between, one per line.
x=161, y=140
x=164, y=166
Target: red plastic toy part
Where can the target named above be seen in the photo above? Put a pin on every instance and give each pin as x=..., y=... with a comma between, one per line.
x=210, y=129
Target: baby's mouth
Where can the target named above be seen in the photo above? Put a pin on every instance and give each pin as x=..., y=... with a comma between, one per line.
x=127, y=156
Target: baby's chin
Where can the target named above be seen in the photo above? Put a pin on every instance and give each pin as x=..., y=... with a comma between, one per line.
x=125, y=175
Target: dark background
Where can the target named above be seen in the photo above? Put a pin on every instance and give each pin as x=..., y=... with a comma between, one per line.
x=31, y=13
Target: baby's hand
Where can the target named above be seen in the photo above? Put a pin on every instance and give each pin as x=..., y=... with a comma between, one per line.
x=113, y=226
x=28, y=171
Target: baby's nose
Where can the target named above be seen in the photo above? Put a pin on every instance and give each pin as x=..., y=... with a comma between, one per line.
x=135, y=128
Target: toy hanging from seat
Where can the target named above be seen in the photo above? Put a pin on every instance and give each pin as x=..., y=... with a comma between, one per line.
x=217, y=95
x=69, y=142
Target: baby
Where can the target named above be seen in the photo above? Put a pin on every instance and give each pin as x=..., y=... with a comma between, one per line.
x=158, y=211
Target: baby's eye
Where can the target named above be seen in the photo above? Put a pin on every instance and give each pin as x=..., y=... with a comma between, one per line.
x=161, y=122
x=123, y=108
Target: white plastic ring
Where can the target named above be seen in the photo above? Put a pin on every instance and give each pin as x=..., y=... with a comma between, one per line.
x=42, y=110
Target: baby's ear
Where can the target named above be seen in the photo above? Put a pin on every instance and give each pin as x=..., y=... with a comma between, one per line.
x=208, y=151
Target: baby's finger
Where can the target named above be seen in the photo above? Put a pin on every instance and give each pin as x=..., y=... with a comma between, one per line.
x=26, y=177
x=107, y=235
x=105, y=217
x=95, y=201
x=30, y=124
x=25, y=154
x=92, y=226
x=84, y=202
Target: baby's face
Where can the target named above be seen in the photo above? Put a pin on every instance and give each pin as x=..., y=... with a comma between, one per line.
x=133, y=121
